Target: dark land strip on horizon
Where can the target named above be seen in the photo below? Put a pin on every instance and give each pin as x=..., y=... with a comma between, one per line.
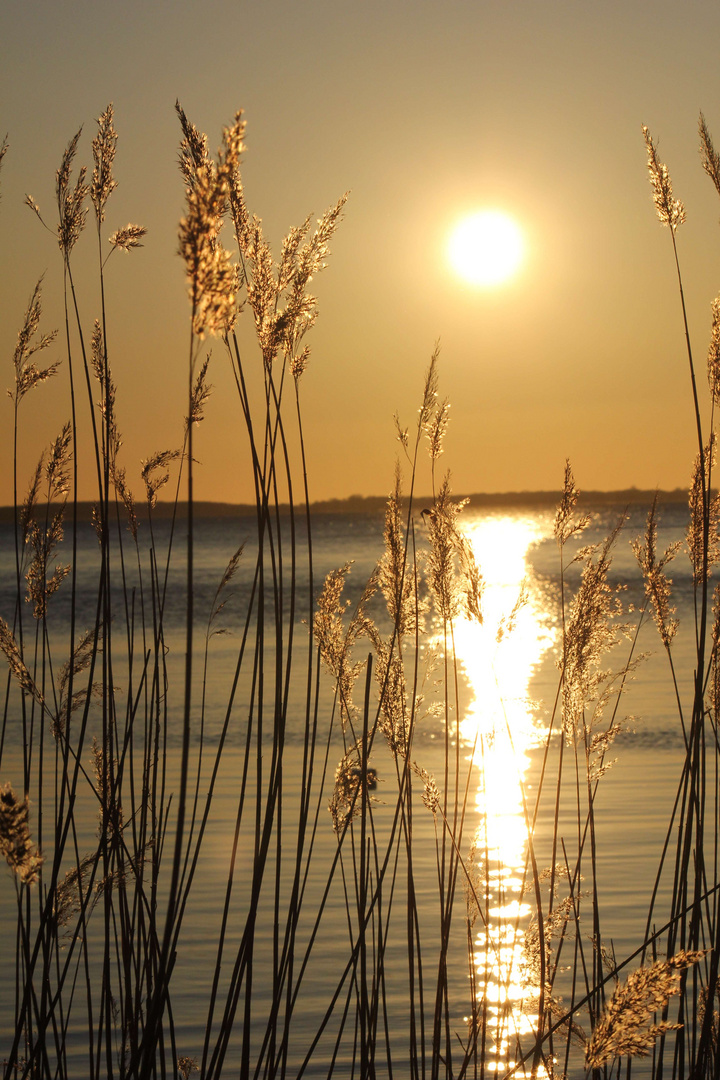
x=371, y=504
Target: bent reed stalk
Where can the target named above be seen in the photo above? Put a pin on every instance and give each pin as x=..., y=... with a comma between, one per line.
x=108, y=829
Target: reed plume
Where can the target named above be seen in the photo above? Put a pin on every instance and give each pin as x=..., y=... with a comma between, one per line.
x=104, y=146
x=657, y=583
x=567, y=522
x=703, y=542
x=128, y=237
x=9, y=646
x=155, y=473
x=708, y=154
x=591, y=631
x=213, y=281
x=670, y=211
x=16, y=844
x=27, y=374
x=626, y=1029
x=713, y=359
x=72, y=212
x=394, y=579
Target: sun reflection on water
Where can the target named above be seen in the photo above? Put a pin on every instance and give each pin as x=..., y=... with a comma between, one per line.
x=498, y=659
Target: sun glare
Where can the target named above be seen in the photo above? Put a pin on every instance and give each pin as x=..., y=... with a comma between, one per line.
x=486, y=248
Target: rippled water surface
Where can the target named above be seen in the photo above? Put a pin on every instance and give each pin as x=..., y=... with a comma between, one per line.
x=496, y=731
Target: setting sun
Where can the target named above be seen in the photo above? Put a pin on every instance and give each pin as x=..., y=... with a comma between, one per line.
x=486, y=248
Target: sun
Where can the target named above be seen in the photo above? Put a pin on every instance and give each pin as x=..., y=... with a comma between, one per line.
x=486, y=248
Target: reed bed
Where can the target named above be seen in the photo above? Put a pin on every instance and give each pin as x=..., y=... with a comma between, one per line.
x=110, y=814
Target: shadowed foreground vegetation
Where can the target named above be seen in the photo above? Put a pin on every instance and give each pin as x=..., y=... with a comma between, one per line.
x=115, y=776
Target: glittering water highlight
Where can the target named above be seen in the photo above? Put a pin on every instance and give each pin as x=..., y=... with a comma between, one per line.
x=499, y=658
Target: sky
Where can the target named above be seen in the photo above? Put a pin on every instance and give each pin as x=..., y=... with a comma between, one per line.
x=425, y=112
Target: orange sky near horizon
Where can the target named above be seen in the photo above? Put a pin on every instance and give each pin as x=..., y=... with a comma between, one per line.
x=426, y=112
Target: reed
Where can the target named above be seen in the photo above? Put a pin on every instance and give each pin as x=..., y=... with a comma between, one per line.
x=120, y=769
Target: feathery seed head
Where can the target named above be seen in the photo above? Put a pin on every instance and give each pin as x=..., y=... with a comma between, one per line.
x=670, y=211
x=333, y=641
x=327, y=623
x=69, y=895
x=128, y=238
x=15, y=842
x=111, y=812
x=30, y=202
x=103, y=149
x=299, y=363
x=447, y=544
x=431, y=794
x=709, y=155
x=437, y=429
x=200, y=393
x=245, y=227
x=403, y=436
x=45, y=542
x=289, y=253
x=229, y=574
x=352, y=785
x=213, y=280
x=657, y=584
x=299, y=262
x=713, y=360
x=626, y=1028
x=79, y=661
x=194, y=151
x=121, y=488
x=554, y=925
x=186, y=1066
x=703, y=557
x=97, y=351
x=566, y=524
x=394, y=576
x=395, y=720
x=430, y=390
x=157, y=464
x=56, y=470
x=28, y=506
x=590, y=632
x=508, y=623
x=27, y=374
x=18, y=670
x=472, y=584
x=72, y=213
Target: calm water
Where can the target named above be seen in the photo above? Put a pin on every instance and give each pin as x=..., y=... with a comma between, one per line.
x=506, y=697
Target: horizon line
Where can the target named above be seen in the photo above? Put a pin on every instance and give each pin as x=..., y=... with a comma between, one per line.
x=353, y=503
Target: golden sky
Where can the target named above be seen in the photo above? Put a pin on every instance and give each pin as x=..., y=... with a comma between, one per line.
x=425, y=111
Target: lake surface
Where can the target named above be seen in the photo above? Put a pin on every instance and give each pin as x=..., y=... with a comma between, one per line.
x=494, y=731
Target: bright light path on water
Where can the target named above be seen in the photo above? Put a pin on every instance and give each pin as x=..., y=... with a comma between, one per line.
x=498, y=659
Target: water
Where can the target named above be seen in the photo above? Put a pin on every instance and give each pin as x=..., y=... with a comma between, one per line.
x=497, y=731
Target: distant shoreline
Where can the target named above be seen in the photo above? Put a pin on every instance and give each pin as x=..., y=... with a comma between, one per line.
x=369, y=504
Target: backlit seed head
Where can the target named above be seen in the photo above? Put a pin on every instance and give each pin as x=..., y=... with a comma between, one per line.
x=670, y=211
x=128, y=238
x=103, y=149
x=20, y=853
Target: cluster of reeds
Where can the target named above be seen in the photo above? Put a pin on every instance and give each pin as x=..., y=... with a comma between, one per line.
x=114, y=760
x=115, y=763
x=666, y=1008
x=118, y=818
